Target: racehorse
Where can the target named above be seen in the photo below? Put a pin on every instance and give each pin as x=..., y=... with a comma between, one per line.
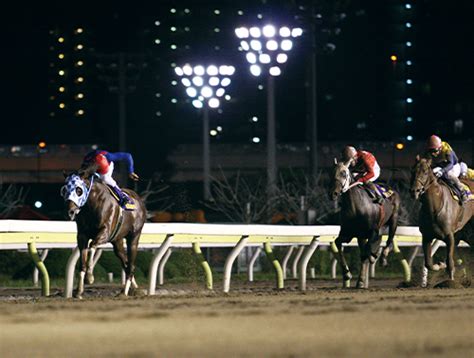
x=100, y=219
x=360, y=217
x=440, y=215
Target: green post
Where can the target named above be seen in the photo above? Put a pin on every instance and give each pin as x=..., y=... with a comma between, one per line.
x=41, y=267
x=204, y=264
x=276, y=265
x=403, y=261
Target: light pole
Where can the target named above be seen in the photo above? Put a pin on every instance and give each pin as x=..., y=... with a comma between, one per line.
x=266, y=50
x=206, y=86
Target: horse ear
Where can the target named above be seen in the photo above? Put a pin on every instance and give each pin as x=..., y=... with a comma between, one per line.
x=65, y=174
x=335, y=161
x=418, y=158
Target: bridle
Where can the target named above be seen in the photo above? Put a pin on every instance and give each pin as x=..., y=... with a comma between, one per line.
x=424, y=185
x=347, y=177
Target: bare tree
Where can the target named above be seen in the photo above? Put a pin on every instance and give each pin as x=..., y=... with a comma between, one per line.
x=298, y=192
x=241, y=199
x=153, y=195
x=245, y=199
x=11, y=197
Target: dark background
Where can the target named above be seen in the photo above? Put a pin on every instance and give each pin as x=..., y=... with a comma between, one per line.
x=360, y=91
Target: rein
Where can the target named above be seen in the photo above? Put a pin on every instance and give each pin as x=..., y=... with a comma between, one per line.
x=425, y=186
x=88, y=191
x=117, y=226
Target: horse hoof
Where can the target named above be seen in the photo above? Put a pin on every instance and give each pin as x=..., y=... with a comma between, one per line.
x=360, y=286
x=78, y=296
x=90, y=279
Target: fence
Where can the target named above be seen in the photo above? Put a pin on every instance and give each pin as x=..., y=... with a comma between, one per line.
x=34, y=235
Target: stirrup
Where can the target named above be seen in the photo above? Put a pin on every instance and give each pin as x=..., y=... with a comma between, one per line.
x=128, y=204
x=378, y=200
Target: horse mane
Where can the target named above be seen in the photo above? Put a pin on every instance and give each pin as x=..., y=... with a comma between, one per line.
x=86, y=171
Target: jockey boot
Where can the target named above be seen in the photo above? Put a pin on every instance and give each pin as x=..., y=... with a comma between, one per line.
x=376, y=195
x=462, y=194
x=123, y=198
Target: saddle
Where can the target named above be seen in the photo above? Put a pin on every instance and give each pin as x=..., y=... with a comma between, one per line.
x=128, y=206
x=455, y=194
x=383, y=189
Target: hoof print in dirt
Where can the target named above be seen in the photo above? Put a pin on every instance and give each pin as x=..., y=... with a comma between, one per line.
x=138, y=293
x=465, y=282
x=447, y=284
x=407, y=284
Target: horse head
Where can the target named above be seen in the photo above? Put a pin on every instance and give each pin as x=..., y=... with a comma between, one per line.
x=342, y=179
x=75, y=193
x=421, y=177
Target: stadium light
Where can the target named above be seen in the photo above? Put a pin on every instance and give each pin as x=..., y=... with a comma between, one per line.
x=266, y=50
x=206, y=87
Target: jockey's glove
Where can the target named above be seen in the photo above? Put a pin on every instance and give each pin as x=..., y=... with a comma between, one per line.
x=134, y=176
x=438, y=172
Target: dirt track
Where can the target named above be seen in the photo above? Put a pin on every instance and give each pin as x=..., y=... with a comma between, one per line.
x=251, y=321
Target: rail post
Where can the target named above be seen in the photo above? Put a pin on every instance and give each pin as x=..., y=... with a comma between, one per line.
x=276, y=265
x=403, y=262
x=252, y=263
x=285, y=260
x=41, y=267
x=43, y=256
x=230, y=260
x=304, y=262
x=155, y=262
x=294, y=270
x=204, y=264
x=71, y=265
x=161, y=266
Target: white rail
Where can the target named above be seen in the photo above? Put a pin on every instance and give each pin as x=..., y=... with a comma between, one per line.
x=17, y=234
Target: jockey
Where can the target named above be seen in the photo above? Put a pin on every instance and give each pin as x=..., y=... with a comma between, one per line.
x=105, y=167
x=445, y=163
x=365, y=167
x=466, y=172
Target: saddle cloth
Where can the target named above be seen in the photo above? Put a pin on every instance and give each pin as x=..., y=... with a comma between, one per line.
x=383, y=189
x=128, y=206
x=454, y=191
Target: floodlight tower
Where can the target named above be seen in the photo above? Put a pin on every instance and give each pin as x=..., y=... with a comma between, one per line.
x=266, y=50
x=206, y=86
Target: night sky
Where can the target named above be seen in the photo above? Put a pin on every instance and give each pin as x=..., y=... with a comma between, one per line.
x=353, y=80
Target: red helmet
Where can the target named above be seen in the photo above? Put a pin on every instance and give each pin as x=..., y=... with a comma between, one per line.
x=434, y=142
x=102, y=163
x=349, y=153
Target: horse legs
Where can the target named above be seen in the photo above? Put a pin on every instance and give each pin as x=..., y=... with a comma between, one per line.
x=132, y=249
x=119, y=251
x=346, y=273
x=82, y=245
x=365, y=253
x=450, y=243
x=392, y=228
x=426, y=243
x=90, y=266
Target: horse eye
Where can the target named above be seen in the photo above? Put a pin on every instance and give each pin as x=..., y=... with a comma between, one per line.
x=79, y=191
